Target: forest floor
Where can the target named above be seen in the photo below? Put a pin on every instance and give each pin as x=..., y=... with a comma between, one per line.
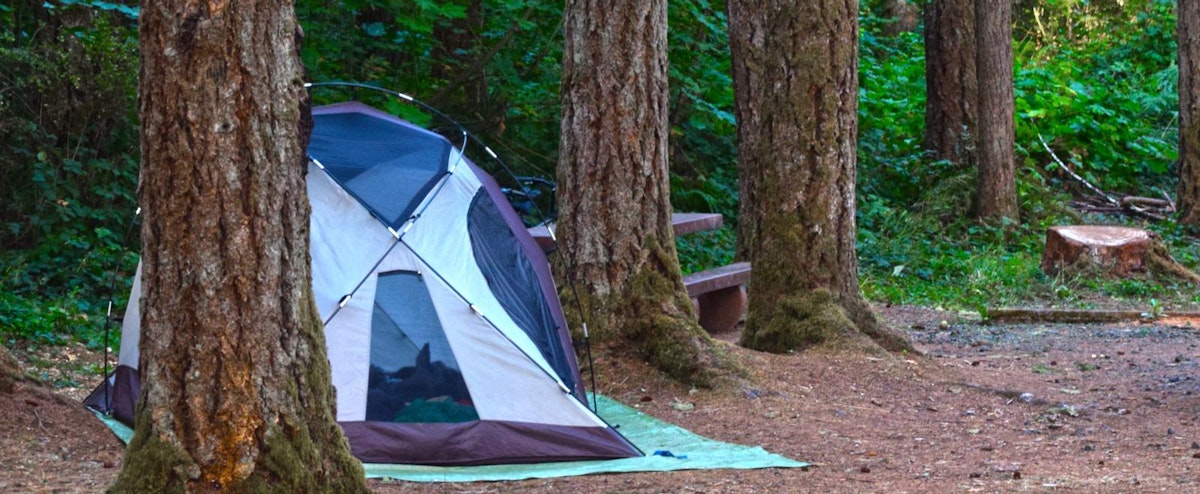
x=987, y=408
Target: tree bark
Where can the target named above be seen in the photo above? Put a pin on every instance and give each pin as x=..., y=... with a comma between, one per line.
x=951, y=83
x=795, y=66
x=994, y=64
x=614, y=223
x=1188, y=22
x=236, y=392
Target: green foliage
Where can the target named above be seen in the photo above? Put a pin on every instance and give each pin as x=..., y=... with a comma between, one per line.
x=1096, y=81
x=891, y=116
x=68, y=167
x=703, y=153
x=1094, y=78
x=491, y=66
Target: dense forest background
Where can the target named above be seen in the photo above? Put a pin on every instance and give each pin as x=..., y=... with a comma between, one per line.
x=1095, y=80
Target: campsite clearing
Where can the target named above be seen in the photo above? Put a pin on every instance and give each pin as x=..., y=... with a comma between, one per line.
x=1113, y=407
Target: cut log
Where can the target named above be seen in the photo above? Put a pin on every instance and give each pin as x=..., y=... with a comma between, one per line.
x=1116, y=250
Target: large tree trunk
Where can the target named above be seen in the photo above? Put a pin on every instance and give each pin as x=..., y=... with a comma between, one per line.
x=236, y=392
x=614, y=223
x=994, y=63
x=1189, y=112
x=951, y=84
x=795, y=66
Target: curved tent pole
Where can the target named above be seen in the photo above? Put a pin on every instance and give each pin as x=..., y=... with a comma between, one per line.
x=397, y=234
x=568, y=265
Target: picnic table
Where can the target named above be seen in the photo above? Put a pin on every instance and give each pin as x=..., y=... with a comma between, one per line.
x=682, y=223
x=718, y=294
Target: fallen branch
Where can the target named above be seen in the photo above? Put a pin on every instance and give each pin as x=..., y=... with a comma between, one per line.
x=1076, y=176
x=1128, y=201
x=1145, y=207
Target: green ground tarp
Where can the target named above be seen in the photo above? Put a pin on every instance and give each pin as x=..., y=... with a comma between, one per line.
x=676, y=448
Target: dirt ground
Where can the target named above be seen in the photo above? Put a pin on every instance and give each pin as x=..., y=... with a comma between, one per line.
x=988, y=408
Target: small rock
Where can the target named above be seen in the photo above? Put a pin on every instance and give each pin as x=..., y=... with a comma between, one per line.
x=1026, y=397
x=865, y=469
x=1088, y=447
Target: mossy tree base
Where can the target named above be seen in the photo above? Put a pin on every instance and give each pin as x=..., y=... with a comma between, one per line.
x=818, y=319
x=290, y=463
x=654, y=317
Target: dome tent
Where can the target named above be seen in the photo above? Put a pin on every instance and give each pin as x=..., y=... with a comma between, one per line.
x=446, y=339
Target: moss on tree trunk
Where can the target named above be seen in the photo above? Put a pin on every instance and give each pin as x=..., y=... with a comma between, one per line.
x=653, y=316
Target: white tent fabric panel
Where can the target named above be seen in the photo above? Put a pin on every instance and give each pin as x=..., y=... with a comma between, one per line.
x=346, y=241
x=440, y=237
x=350, y=356
x=131, y=325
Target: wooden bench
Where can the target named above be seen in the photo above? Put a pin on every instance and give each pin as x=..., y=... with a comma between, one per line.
x=719, y=295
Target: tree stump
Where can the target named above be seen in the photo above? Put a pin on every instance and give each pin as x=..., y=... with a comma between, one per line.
x=1119, y=251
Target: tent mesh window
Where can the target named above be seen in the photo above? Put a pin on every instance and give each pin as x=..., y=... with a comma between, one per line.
x=414, y=377
x=388, y=165
x=511, y=277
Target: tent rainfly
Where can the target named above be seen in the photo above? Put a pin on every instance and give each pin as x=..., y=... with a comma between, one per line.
x=446, y=337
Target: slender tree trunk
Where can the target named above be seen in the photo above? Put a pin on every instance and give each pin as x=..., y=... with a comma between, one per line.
x=614, y=224
x=903, y=14
x=1189, y=112
x=236, y=392
x=951, y=83
x=795, y=72
x=994, y=63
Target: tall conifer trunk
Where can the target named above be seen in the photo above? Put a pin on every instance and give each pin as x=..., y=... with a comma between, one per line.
x=1189, y=112
x=236, y=392
x=614, y=226
x=994, y=63
x=795, y=72
x=951, y=83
